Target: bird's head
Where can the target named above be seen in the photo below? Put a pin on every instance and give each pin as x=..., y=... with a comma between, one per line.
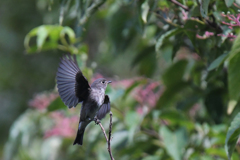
x=100, y=83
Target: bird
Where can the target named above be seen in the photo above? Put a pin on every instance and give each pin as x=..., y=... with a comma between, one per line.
x=74, y=88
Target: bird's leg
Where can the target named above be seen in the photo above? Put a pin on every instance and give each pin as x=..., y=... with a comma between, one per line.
x=97, y=121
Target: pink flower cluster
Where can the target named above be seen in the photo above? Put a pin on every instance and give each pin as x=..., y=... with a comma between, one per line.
x=145, y=94
x=229, y=35
x=234, y=22
x=64, y=126
x=41, y=101
x=205, y=36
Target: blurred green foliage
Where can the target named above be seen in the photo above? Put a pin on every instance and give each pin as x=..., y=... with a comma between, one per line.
x=176, y=86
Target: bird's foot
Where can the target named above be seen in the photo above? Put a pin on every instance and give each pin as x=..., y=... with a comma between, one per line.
x=97, y=121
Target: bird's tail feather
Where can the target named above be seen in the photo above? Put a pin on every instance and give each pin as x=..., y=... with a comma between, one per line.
x=79, y=137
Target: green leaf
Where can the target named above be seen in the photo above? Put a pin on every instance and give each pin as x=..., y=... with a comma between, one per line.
x=235, y=48
x=68, y=31
x=204, y=8
x=42, y=34
x=57, y=104
x=145, y=8
x=232, y=135
x=146, y=59
x=22, y=132
x=233, y=74
x=171, y=94
x=54, y=33
x=174, y=74
x=32, y=33
x=190, y=31
x=176, y=117
x=46, y=46
x=229, y=2
x=156, y=157
x=132, y=120
x=217, y=62
x=122, y=29
x=48, y=36
x=51, y=147
x=174, y=142
x=168, y=34
x=216, y=152
x=234, y=78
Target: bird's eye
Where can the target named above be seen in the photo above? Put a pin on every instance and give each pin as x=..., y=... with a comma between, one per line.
x=103, y=82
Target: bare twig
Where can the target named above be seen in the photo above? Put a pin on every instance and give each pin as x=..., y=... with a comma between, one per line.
x=180, y=5
x=167, y=20
x=108, y=139
x=109, y=136
x=90, y=10
x=103, y=131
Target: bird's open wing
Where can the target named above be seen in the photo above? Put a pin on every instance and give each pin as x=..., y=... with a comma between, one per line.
x=105, y=108
x=72, y=86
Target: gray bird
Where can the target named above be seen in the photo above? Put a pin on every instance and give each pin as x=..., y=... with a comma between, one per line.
x=73, y=88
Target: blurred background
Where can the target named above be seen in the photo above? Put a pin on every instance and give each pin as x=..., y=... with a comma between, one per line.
x=174, y=67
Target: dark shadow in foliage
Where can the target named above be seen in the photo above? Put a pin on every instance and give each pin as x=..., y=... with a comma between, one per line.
x=146, y=60
x=146, y=146
x=214, y=104
x=121, y=28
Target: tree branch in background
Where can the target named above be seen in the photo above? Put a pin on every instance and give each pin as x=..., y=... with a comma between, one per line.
x=180, y=5
x=90, y=10
x=108, y=139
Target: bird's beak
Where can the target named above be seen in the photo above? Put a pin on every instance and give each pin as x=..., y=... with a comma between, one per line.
x=109, y=81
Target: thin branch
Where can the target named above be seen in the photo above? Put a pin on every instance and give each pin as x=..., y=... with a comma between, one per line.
x=108, y=139
x=110, y=136
x=90, y=10
x=180, y=5
x=103, y=131
x=168, y=20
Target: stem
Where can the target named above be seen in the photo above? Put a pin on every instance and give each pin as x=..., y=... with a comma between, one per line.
x=167, y=20
x=108, y=139
x=103, y=131
x=109, y=136
x=180, y=5
x=90, y=10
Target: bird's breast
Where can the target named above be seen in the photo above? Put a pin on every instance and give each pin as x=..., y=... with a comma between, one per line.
x=98, y=97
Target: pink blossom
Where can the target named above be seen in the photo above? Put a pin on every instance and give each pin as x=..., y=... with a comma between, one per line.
x=185, y=15
x=144, y=94
x=140, y=110
x=209, y=33
x=64, y=126
x=41, y=101
x=234, y=22
x=234, y=19
x=230, y=35
x=235, y=4
x=205, y=36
